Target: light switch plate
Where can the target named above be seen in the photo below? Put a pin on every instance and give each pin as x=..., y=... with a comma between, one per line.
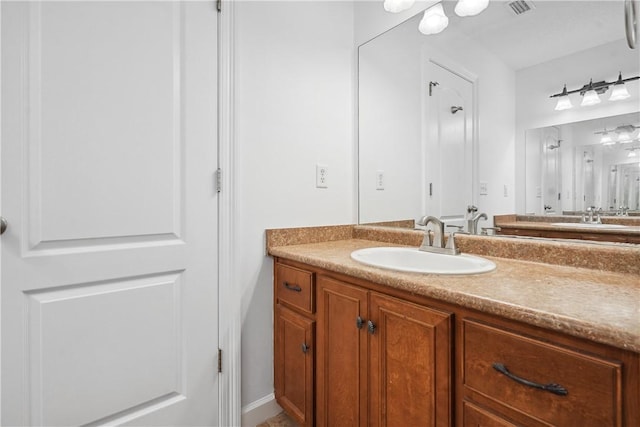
x=483, y=188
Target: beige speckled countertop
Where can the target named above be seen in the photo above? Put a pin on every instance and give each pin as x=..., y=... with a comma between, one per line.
x=602, y=306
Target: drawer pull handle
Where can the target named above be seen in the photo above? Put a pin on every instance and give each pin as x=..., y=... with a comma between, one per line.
x=294, y=288
x=551, y=387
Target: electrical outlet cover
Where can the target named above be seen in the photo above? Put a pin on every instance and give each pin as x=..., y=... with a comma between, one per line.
x=379, y=180
x=322, y=172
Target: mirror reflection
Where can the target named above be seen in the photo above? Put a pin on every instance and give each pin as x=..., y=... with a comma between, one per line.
x=447, y=121
x=590, y=164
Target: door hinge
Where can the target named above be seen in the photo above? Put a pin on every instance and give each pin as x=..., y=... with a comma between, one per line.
x=219, y=360
x=431, y=86
x=218, y=180
x=219, y=5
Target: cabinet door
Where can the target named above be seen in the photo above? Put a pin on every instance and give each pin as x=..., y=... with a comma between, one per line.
x=342, y=355
x=293, y=364
x=410, y=356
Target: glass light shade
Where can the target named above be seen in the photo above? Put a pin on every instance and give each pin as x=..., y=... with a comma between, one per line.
x=624, y=137
x=395, y=6
x=564, y=103
x=606, y=139
x=590, y=98
x=434, y=20
x=619, y=92
x=470, y=7
x=632, y=153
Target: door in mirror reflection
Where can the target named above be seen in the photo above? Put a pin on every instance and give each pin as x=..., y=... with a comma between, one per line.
x=448, y=146
x=551, y=158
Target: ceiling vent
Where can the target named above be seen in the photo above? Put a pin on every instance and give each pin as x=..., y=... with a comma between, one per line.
x=518, y=7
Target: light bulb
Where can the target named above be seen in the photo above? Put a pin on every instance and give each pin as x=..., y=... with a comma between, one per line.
x=632, y=153
x=470, y=7
x=434, y=20
x=624, y=137
x=590, y=98
x=395, y=6
x=564, y=103
x=606, y=139
x=619, y=90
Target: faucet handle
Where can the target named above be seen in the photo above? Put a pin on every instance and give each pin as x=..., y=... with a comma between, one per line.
x=485, y=230
x=451, y=242
x=459, y=227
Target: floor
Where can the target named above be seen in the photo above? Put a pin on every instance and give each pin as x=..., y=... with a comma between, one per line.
x=280, y=420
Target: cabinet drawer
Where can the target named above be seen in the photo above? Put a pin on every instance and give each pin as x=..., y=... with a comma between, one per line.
x=593, y=386
x=295, y=287
x=474, y=416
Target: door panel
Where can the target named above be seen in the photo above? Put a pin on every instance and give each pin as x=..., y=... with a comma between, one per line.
x=410, y=364
x=120, y=328
x=341, y=370
x=109, y=271
x=449, y=144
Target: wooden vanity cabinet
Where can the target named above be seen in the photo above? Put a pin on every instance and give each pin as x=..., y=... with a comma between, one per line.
x=294, y=342
x=384, y=357
x=381, y=361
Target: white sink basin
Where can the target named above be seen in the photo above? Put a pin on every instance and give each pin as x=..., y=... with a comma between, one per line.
x=583, y=225
x=416, y=261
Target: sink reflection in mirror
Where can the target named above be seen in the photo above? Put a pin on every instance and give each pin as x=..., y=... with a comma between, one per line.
x=415, y=261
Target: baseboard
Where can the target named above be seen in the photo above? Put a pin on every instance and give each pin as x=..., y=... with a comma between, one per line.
x=260, y=410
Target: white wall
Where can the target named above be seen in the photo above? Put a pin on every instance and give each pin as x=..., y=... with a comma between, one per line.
x=390, y=92
x=294, y=108
x=535, y=84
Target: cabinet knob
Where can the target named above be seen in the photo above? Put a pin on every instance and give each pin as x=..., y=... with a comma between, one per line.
x=359, y=322
x=371, y=327
x=3, y=225
x=305, y=347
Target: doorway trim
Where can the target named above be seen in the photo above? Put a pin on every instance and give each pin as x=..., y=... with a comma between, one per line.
x=230, y=295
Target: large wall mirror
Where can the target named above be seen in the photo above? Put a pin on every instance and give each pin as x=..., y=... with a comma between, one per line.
x=464, y=117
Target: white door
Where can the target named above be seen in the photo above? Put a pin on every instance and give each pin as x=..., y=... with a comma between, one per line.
x=109, y=262
x=448, y=144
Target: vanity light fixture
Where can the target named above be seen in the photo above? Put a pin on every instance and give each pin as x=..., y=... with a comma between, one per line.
x=619, y=90
x=632, y=152
x=591, y=91
x=434, y=20
x=470, y=7
x=590, y=97
x=395, y=6
x=564, y=103
x=606, y=139
x=624, y=134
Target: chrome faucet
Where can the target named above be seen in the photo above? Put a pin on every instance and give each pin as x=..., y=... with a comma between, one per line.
x=590, y=211
x=437, y=245
x=472, y=224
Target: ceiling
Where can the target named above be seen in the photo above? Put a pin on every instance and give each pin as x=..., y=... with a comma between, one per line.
x=532, y=38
